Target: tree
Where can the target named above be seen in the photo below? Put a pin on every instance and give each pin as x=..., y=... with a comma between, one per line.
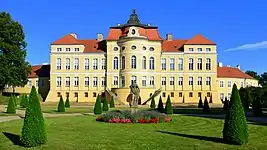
x=67, y=103
x=245, y=97
x=33, y=130
x=15, y=100
x=105, y=104
x=183, y=99
x=97, y=108
x=11, y=109
x=206, y=107
x=226, y=105
x=211, y=99
x=200, y=103
x=61, y=106
x=153, y=104
x=112, y=103
x=168, y=107
x=14, y=69
x=253, y=74
x=160, y=105
x=235, y=124
x=256, y=107
x=263, y=79
x=21, y=101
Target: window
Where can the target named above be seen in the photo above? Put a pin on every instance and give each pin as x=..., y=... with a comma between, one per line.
x=133, y=32
x=191, y=94
x=76, y=63
x=115, y=80
x=103, y=81
x=229, y=96
x=230, y=84
x=172, y=94
x=67, y=63
x=242, y=84
x=86, y=63
x=199, y=94
x=133, y=79
x=115, y=48
x=163, y=64
x=86, y=94
x=76, y=49
x=58, y=94
x=58, y=63
x=151, y=48
x=123, y=48
x=94, y=94
x=208, y=80
x=190, y=81
x=191, y=49
x=67, y=49
x=199, y=81
x=144, y=48
x=123, y=81
x=115, y=63
x=67, y=94
x=95, y=63
x=76, y=81
x=222, y=96
x=208, y=64
x=144, y=62
x=163, y=81
x=246, y=84
x=76, y=94
x=180, y=94
x=43, y=83
x=94, y=81
x=180, y=81
x=67, y=81
x=208, y=49
x=151, y=63
x=58, y=81
x=171, y=80
x=172, y=64
x=199, y=49
x=208, y=94
x=163, y=94
x=180, y=63
x=103, y=63
x=133, y=62
x=191, y=64
x=59, y=49
x=29, y=83
x=152, y=80
x=37, y=83
x=199, y=64
x=86, y=81
x=123, y=62
x=144, y=81
x=133, y=47
x=221, y=84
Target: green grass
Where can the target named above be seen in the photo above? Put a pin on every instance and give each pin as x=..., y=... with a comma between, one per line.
x=83, y=132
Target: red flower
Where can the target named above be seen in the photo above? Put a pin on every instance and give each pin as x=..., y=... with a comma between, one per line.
x=168, y=119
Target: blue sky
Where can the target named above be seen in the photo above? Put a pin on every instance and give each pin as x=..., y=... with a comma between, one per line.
x=238, y=27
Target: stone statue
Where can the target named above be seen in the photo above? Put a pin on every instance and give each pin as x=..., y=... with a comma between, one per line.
x=135, y=91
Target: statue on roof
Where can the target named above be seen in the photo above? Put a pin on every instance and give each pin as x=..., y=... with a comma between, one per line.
x=133, y=18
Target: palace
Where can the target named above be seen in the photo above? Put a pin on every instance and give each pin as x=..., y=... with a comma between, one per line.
x=134, y=52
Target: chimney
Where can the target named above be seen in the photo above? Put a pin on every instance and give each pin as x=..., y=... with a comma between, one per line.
x=169, y=37
x=99, y=36
x=220, y=64
x=238, y=67
x=74, y=35
x=148, y=24
x=228, y=66
x=118, y=24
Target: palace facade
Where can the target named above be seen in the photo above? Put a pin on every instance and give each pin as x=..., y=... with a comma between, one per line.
x=185, y=69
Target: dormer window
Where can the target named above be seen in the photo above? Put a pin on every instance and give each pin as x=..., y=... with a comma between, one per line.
x=59, y=49
x=76, y=49
x=115, y=48
x=133, y=47
x=191, y=49
x=151, y=48
x=67, y=49
x=144, y=48
x=133, y=31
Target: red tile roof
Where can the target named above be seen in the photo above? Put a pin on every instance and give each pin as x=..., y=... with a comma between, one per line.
x=228, y=72
x=68, y=39
x=40, y=71
x=199, y=39
x=114, y=34
x=172, y=46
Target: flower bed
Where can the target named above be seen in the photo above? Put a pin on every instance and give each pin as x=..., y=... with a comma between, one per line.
x=138, y=117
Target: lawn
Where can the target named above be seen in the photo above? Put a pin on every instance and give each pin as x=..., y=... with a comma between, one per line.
x=83, y=132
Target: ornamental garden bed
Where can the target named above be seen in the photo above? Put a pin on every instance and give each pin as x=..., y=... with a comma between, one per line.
x=141, y=116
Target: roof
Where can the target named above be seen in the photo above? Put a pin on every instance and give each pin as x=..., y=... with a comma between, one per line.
x=68, y=39
x=199, y=39
x=172, y=46
x=229, y=72
x=40, y=71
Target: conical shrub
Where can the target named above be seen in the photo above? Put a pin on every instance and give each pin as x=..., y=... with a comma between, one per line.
x=211, y=99
x=226, y=105
x=67, y=103
x=21, y=104
x=11, y=109
x=200, y=103
x=105, y=104
x=97, y=108
x=206, y=107
x=160, y=105
x=26, y=101
x=257, y=108
x=33, y=130
x=168, y=107
x=61, y=106
x=235, y=129
x=153, y=104
x=15, y=100
x=112, y=103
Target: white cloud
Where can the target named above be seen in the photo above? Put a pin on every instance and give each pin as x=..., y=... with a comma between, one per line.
x=245, y=47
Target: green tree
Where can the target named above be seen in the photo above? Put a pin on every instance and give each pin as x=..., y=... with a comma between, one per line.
x=33, y=130
x=61, y=106
x=105, y=104
x=15, y=100
x=253, y=74
x=206, y=107
x=226, y=105
x=200, y=103
x=168, y=107
x=235, y=124
x=263, y=79
x=67, y=103
x=21, y=101
x=97, y=108
x=153, y=104
x=14, y=69
x=112, y=103
x=11, y=109
x=160, y=105
x=257, y=108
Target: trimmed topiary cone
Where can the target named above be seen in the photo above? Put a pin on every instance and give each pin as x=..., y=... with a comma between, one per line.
x=168, y=107
x=206, y=107
x=112, y=103
x=200, y=103
x=33, y=130
x=97, y=108
x=153, y=104
x=21, y=104
x=235, y=129
x=160, y=105
x=211, y=99
x=105, y=104
x=61, y=106
x=11, y=109
x=67, y=103
x=26, y=101
x=15, y=100
x=226, y=105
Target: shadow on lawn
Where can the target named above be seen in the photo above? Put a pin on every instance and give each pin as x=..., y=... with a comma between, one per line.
x=198, y=137
x=15, y=139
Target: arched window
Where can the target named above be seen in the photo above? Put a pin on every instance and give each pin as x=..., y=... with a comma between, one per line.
x=191, y=64
x=133, y=79
x=58, y=63
x=144, y=62
x=133, y=62
x=115, y=63
x=199, y=64
x=123, y=62
x=151, y=63
x=208, y=64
